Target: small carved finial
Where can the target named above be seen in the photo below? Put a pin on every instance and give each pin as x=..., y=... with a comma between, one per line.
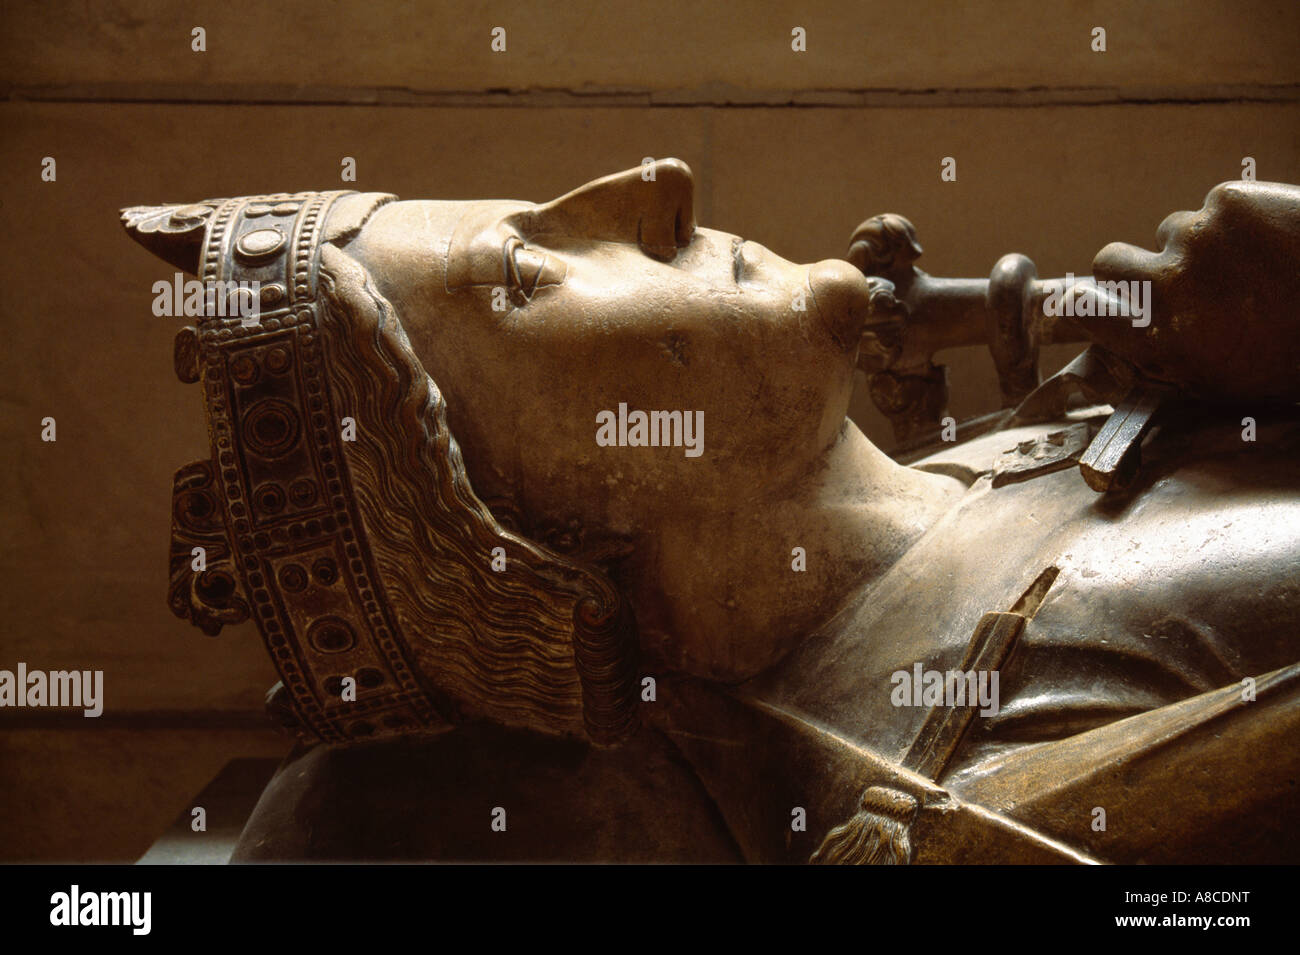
x=174, y=233
x=885, y=245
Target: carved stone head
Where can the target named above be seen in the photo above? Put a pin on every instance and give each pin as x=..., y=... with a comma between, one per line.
x=411, y=360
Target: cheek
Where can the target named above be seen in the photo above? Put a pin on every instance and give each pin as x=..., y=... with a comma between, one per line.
x=771, y=376
x=461, y=345
x=763, y=379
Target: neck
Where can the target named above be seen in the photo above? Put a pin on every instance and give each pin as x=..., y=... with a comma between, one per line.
x=733, y=589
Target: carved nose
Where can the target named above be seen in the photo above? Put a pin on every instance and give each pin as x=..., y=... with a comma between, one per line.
x=668, y=222
x=652, y=205
x=842, y=296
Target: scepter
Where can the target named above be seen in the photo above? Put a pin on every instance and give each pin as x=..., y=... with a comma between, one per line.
x=1014, y=313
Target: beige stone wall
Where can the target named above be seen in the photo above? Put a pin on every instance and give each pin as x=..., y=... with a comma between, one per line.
x=1059, y=150
x=686, y=46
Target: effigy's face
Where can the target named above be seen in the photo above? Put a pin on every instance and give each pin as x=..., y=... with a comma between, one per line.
x=541, y=322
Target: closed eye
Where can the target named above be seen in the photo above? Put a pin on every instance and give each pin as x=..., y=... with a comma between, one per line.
x=521, y=268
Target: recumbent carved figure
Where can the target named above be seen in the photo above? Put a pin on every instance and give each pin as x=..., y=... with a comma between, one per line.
x=644, y=654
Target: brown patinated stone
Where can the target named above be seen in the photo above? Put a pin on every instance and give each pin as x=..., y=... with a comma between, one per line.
x=554, y=509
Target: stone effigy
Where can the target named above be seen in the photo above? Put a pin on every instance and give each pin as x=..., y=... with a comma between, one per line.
x=514, y=620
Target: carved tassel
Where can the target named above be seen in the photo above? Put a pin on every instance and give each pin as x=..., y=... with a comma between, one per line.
x=880, y=831
x=878, y=834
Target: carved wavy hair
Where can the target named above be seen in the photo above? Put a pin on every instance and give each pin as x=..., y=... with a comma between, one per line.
x=546, y=644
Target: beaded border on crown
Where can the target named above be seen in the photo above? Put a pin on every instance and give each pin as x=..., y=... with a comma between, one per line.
x=294, y=555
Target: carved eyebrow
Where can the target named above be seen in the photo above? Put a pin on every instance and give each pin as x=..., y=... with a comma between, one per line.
x=525, y=222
